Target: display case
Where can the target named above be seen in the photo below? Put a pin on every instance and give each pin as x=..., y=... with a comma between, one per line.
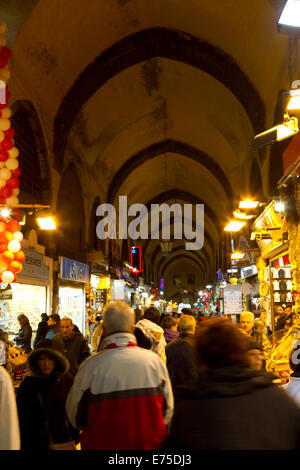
x=282, y=284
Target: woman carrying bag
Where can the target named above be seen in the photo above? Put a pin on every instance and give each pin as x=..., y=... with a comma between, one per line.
x=41, y=401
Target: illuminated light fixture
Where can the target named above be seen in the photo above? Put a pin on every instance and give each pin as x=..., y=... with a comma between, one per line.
x=248, y=204
x=288, y=128
x=294, y=101
x=237, y=255
x=208, y=286
x=5, y=213
x=289, y=21
x=46, y=223
x=242, y=215
x=279, y=207
x=234, y=226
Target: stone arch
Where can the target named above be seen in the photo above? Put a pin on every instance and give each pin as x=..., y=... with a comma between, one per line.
x=278, y=148
x=145, y=45
x=159, y=148
x=35, y=182
x=70, y=215
x=187, y=256
x=256, y=184
x=95, y=244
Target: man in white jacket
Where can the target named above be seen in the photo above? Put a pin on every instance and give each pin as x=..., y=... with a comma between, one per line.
x=9, y=422
x=122, y=397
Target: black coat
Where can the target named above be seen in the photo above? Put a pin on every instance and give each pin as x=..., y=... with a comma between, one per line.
x=41, y=332
x=181, y=361
x=23, y=340
x=234, y=409
x=41, y=400
x=75, y=349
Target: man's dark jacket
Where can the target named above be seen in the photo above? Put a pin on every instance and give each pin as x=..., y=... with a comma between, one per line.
x=75, y=349
x=181, y=362
x=41, y=332
x=234, y=408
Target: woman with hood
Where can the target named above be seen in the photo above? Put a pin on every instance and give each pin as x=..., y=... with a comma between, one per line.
x=41, y=400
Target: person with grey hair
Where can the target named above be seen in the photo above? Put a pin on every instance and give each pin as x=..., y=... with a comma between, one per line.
x=181, y=361
x=122, y=397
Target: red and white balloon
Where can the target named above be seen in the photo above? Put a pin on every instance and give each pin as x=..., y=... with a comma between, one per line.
x=11, y=254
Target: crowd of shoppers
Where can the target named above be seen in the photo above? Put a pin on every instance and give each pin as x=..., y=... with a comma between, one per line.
x=148, y=382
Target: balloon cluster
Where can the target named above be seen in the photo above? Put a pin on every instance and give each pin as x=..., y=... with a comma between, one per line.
x=11, y=255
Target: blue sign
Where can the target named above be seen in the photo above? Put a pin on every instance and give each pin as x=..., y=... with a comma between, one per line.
x=162, y=283
x=71, y=270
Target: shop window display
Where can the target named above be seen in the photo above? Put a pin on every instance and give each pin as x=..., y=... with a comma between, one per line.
x=27, y=299
x=71, y=304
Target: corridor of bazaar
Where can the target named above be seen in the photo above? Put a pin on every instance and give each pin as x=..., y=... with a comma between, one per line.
x=149, y=156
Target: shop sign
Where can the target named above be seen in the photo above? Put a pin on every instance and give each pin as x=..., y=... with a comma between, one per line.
x=232, y=299
x=71, y=270
x=104, y=283
x=269, y=219
x=33, y=266
x=118, y=290
x=97, y=268
x=248, y=271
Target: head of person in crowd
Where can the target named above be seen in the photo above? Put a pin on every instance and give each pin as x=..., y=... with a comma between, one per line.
x=187, y=325
x=169, y=323
x=23, y=320
x=118, y=317
x=44, y=361
x=98, y=318
x=67, y=327
x=54, y=319
x=220, y=343
x=288, y=311
x=247, y=321
x=153, y=314
x=279, y=310
x=263, y=317
x=188, y=311
x=138, y=314
x=294, y=359
x=44, y=317
x=255, y=355
x=259, y=325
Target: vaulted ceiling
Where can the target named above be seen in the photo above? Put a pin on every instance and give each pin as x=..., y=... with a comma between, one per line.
x=158, y=100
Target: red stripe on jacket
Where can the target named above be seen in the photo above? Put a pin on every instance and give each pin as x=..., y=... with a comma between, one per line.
x=134, y=423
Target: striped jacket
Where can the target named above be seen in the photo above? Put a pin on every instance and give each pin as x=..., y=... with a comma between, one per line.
x=121, y=398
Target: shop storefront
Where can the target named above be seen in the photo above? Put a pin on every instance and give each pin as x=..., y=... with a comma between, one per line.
x=31, y=295
x=73, y=277
x=273, y=266
x=99, y=290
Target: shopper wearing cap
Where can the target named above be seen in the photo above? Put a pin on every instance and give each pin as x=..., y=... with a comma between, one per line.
x=41, y=400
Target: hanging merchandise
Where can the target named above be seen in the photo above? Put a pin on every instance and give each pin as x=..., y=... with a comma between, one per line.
x=11, y=254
